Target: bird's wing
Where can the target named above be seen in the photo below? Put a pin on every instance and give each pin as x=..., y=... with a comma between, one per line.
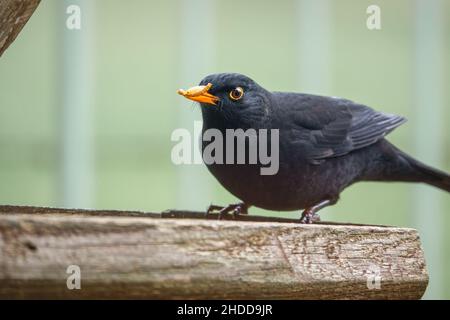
x=332, y=127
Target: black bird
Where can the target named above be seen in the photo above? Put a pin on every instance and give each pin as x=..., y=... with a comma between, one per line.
x=325, y=145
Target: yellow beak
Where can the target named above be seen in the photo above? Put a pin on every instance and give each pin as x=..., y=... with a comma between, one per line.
x=199, y=94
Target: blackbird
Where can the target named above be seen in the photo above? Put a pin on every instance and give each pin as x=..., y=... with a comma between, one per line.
x=325, y=145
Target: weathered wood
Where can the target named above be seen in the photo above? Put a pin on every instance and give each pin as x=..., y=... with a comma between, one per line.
x=140, y=256
x=14, y=14
x=174, y=214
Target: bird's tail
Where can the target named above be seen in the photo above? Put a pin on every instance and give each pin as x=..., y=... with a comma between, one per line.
x=427, y=174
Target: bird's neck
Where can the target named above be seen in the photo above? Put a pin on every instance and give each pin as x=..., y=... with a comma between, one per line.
x=222, y=121
x=212, y=119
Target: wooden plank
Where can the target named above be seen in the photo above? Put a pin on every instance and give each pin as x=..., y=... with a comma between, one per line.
x=14, y=14
x=172, y=214
x=140, y=256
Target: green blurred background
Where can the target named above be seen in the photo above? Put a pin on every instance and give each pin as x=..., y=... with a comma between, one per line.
x=86, y=115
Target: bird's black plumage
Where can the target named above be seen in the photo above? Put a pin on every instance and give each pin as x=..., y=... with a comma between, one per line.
x=325, y=145
x=332, y=127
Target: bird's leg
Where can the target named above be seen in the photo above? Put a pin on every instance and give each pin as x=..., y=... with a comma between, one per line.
x=309, y=215
x=235, y=209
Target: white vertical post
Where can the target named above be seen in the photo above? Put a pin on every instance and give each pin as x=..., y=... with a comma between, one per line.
x=428, y=128
x=76, y=179
x=314, y=51
x=314, y=36
x=196, y=55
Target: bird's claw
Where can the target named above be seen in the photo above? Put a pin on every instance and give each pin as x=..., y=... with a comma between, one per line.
x=309, y=217
x=233, y=209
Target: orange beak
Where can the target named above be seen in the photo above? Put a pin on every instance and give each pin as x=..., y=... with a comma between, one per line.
x=199, y=94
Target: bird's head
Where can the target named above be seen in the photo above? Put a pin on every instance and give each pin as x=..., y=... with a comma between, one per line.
x=232, y=96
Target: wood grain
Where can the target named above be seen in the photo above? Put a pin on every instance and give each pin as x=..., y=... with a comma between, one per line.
x=147, y=257
x=14, y=14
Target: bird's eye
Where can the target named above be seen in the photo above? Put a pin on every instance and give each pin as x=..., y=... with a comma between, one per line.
x=237, y=93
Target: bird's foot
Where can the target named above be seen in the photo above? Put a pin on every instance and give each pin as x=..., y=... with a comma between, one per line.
x=234, y=209
x=309, y=216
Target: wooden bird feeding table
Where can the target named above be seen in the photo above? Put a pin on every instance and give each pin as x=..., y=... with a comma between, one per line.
x=185, y=255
